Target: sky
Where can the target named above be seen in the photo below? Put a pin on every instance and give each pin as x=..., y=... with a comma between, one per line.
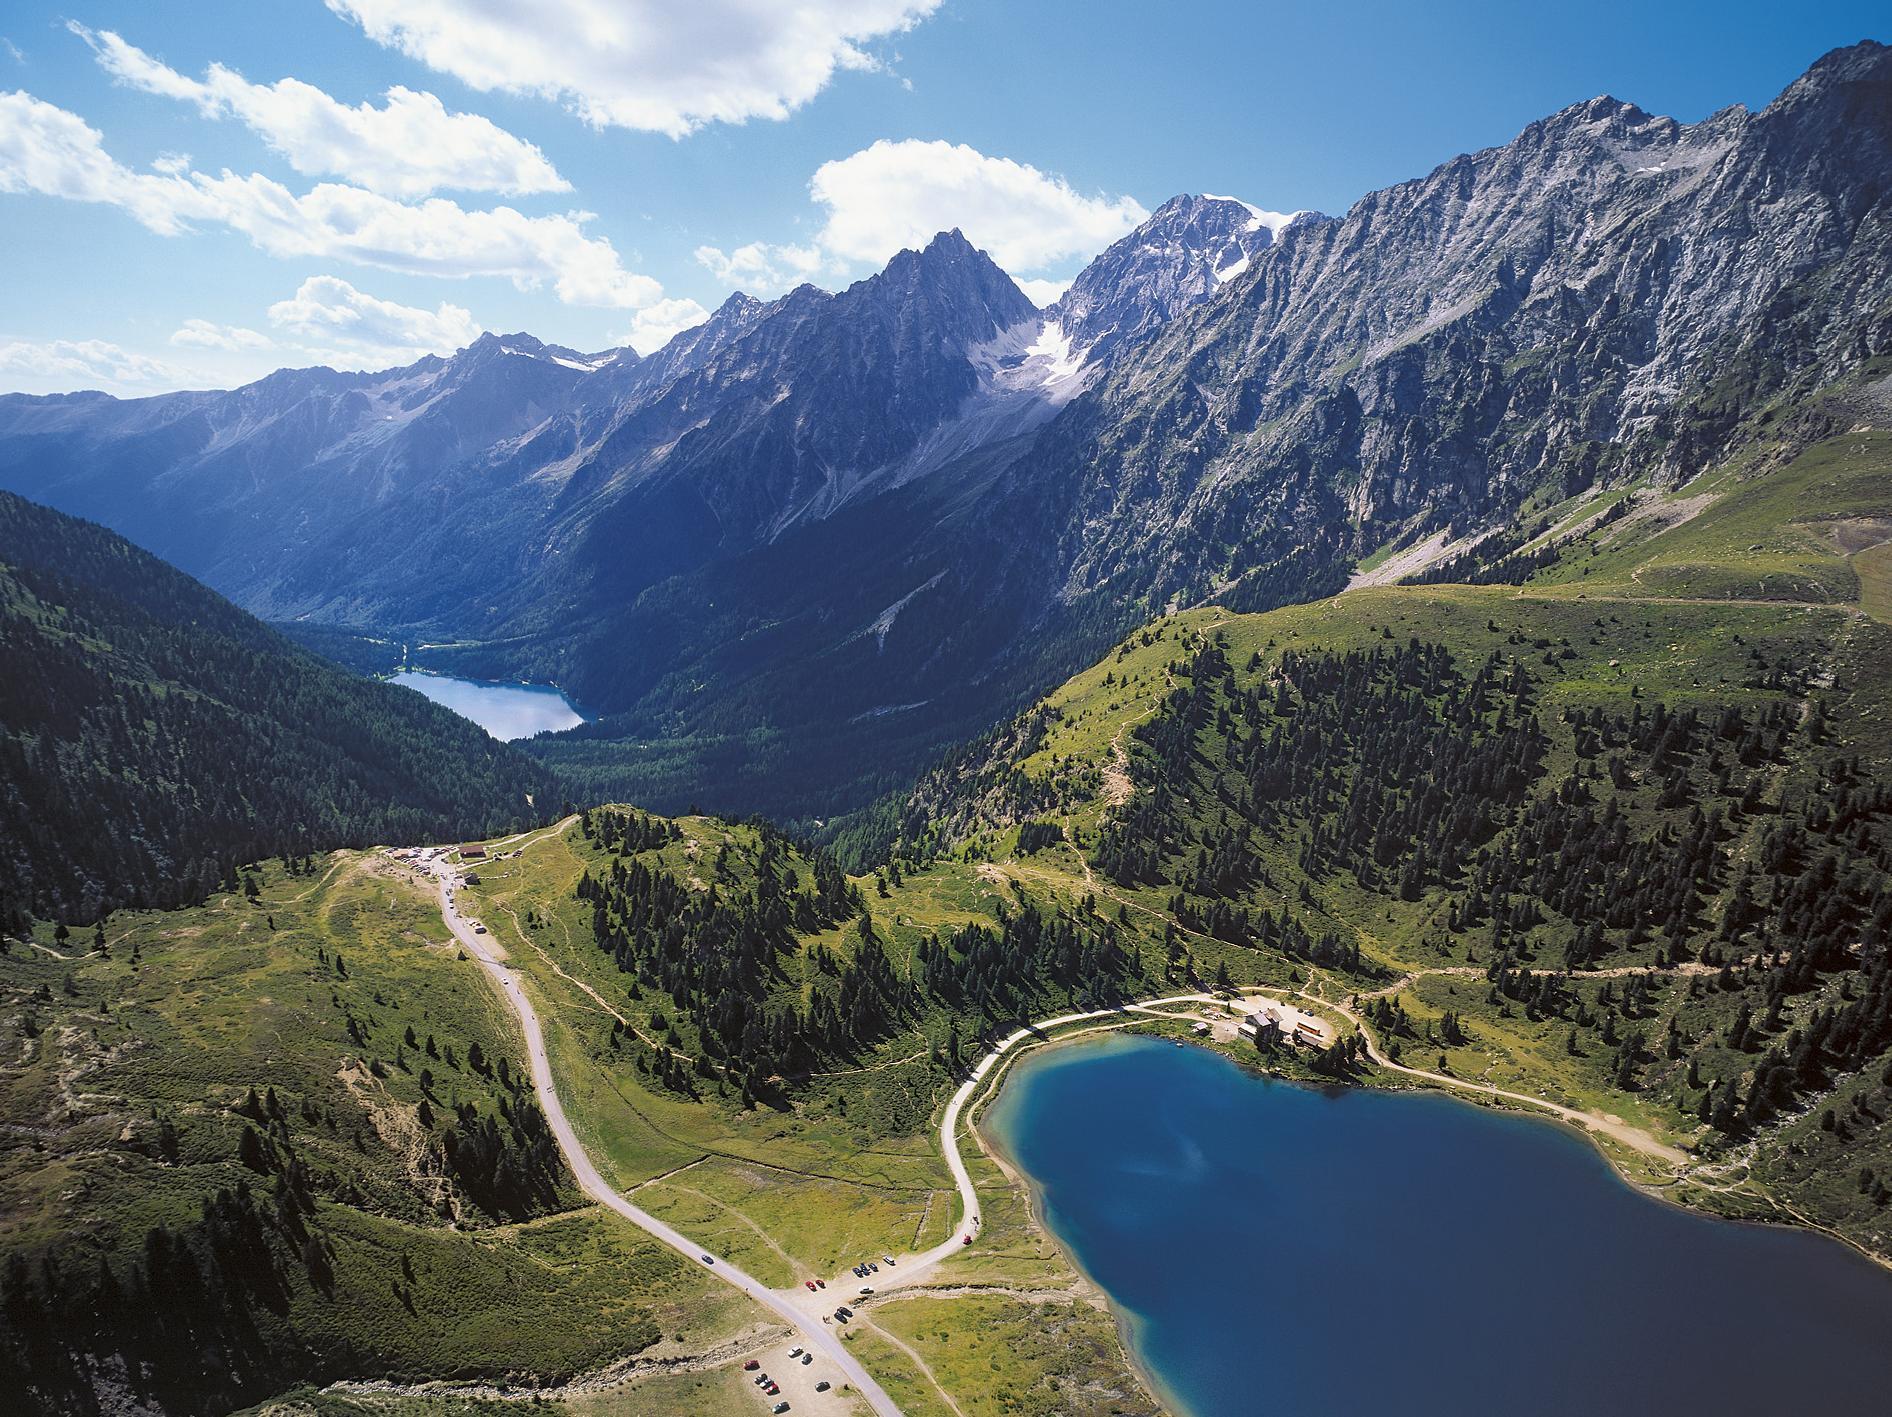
x=195, y=193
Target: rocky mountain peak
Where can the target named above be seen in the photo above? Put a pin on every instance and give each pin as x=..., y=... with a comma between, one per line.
x=957, y=288
x=1188, y=249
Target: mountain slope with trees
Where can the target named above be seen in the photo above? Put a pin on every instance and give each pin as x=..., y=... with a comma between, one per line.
x=1614, y=831
x=153, y=737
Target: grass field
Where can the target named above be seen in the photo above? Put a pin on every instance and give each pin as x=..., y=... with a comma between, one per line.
x=122, y=1113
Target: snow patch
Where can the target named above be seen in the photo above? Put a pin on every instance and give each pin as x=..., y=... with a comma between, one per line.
x=1258, y=217
x=1033, y=357
x=583, y=366
x=1231, y=270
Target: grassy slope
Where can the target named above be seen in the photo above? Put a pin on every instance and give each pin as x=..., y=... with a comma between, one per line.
x=848, y=1170
x=183, y=1012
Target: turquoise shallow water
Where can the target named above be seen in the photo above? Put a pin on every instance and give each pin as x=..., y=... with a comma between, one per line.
x=1274, y=1247
x=506, y=711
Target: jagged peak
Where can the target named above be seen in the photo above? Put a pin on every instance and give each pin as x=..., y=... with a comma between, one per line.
x=950, y=266
x=740, y=303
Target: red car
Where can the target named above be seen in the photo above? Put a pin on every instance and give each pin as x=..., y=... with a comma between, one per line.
x=750, y=1366
x=811, y=1285
x=966, y=1241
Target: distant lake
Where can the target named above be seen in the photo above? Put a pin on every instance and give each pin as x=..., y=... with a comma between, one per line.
x=1278, y=1248
x=506, y=711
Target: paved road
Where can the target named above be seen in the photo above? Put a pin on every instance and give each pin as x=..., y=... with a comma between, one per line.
x=820, y=1338
x=912, y=1269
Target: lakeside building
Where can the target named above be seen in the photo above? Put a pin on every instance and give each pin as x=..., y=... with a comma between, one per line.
x=1274, y=1023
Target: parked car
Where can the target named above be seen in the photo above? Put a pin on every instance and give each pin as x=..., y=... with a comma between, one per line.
x=811, y=1285
x=781, y=1407
x=750, y=1366
x=822, y=1386
x=806, y=1359
x=794, y=1352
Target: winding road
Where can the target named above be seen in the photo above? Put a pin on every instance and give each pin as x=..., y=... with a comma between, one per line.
x=805, y=1311
x=820, y=1338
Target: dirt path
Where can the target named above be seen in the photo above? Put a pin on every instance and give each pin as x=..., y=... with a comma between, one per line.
x=795, y=1266
x=1634, y=1138
x=1616, y=971
x=918, y=1362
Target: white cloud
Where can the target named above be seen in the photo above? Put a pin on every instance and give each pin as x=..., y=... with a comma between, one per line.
x=1044, y=292
x=656, y=326
x=761, y=268
x=14, y=51
x=39, y=366
x=897, y=195
x=330, y=309
x=409, y=147
x=47, y=150
x=204, y=334
x=649, y=64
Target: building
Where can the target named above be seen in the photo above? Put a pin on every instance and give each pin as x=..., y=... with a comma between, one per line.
x=472, y=853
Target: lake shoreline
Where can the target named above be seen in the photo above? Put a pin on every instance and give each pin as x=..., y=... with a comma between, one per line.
x=508, y=710
x=1134, y=1327
x=1126, y=1321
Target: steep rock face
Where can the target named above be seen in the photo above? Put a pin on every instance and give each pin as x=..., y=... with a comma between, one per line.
x=823, y=396
x=1188, y=249
x=1522, y=314
x=505, y=485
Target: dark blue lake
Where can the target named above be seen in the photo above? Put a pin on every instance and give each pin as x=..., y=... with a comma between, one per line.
x=1273, y=1247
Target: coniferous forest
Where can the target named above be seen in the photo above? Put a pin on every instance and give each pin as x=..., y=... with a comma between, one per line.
x=162, y=737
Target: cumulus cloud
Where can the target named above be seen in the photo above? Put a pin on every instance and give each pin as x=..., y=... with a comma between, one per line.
x=657, y=325
x=408, y=147
x=898, y=195
x=42, y=365
x=1044, y=292
x=761, y=268
x=329, y=309
x=48, y=150
x=648, y=64
x=204, y=334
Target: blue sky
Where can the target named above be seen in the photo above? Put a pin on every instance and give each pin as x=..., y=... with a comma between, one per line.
x=174, y=214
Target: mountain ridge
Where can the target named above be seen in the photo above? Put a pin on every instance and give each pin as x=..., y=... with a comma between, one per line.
x=1595, y=301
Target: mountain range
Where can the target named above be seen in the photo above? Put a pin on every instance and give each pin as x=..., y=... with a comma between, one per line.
x=788, y=557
